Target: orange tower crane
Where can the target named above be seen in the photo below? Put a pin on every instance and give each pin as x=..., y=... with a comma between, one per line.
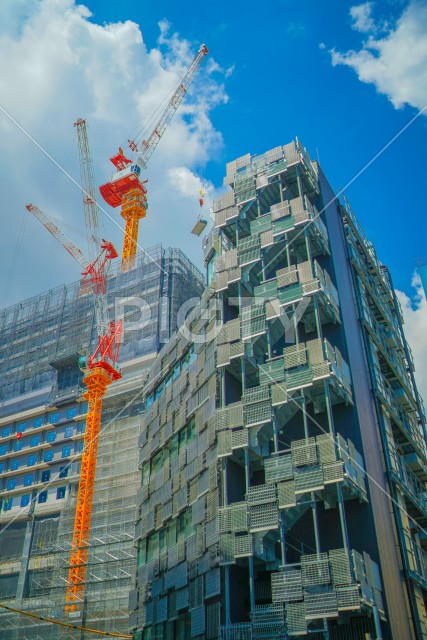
x=100, y=370
x=125, y=187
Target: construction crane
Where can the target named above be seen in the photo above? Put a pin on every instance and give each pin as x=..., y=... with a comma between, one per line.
x=90, y=206
x=100, y=370
x=125, y=187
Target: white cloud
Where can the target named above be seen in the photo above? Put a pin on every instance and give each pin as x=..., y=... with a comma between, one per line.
x=57, y=64
x=396, y=64
x=362, y=19
x=415, y=316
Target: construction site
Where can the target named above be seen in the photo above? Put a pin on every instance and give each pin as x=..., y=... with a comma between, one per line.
x=252, y=468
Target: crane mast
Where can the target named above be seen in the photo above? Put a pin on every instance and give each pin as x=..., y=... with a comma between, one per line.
x=100, y=370
x=90, y=206
x=125, y=187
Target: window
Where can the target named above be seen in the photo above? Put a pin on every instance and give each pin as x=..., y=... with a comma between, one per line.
x=63, y=472
x=71, y=412
x=14, y=465
x=31, y=460
x=45, y=476
x=48, y=456
x=1, y=467
x=60, y=493
x=25, y=500
x=11, y=484
x=43, y=496
x=34, y=441
x=51, y=436
x=17, y=445
x=5, y=432
x=66, y=452
x=3, y=449
x=22, y=426
x=54, y=417
x=28, y=480
x=7, y=504
x=68, y=432
x=37, y=422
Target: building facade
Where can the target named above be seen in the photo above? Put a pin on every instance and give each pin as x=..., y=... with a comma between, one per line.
x=282, y=454
x=42, y=424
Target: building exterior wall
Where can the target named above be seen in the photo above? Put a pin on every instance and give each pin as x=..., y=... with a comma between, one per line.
x=42, y=427
x=282, y=454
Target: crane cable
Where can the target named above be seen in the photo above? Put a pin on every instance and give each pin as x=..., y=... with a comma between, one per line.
x=109, y=634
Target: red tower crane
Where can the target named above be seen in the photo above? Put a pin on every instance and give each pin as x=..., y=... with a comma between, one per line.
x=100, y=370
x=125, y=187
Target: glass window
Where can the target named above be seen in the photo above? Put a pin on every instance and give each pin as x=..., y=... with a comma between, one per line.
x=60, y=493
x=68, y=432
x=14, y=465
x=34, y=441
x=71, y=412
x=28, y=480
x=3, y=449
x=43, y=496
x=45, y=476
x=37, y=422
x=31, y=460
x=54, y=417
x=25, y=500
x=7, y=504
x=1, y=467
x=51, y=436
x=48, y=456
x=6, y=432
x=17, y=445
x=63, y=472
x=11, y=484
x=22, y=426
x=66, y=452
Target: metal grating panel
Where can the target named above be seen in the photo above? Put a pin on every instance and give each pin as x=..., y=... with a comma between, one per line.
x=212, y=583
x=256, y=394
x=257, y=413
x=211, y=532
x=286, y=494
x=263, y=517
x=239, y=517
x=333, y=472
x=326, y=448
x=198, y=510
x=304, y=452
x=243, y=545
x=278, y=468
x=261, y=494
x=348, y=598
x=226, y=548
x=197, y=621
x=310, y=479
x=162, y=610
x=315, y=569
x=286, y=586
x=321, y=605
x=212, y=620
x=340, y=567
x=295, y=619
x=264, y=615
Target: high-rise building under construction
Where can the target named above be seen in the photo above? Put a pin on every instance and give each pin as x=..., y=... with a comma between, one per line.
x=42, y=424
x=283, y=452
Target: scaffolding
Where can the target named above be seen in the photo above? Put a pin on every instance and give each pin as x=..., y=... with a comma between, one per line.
x=42, y=426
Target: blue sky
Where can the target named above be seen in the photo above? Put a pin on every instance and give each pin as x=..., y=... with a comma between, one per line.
x=283, y=84
x=345, y=77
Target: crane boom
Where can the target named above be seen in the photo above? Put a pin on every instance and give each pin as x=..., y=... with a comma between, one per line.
x=90, y=206
x=125, y=187
x=57, y=233
x=149, y=145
